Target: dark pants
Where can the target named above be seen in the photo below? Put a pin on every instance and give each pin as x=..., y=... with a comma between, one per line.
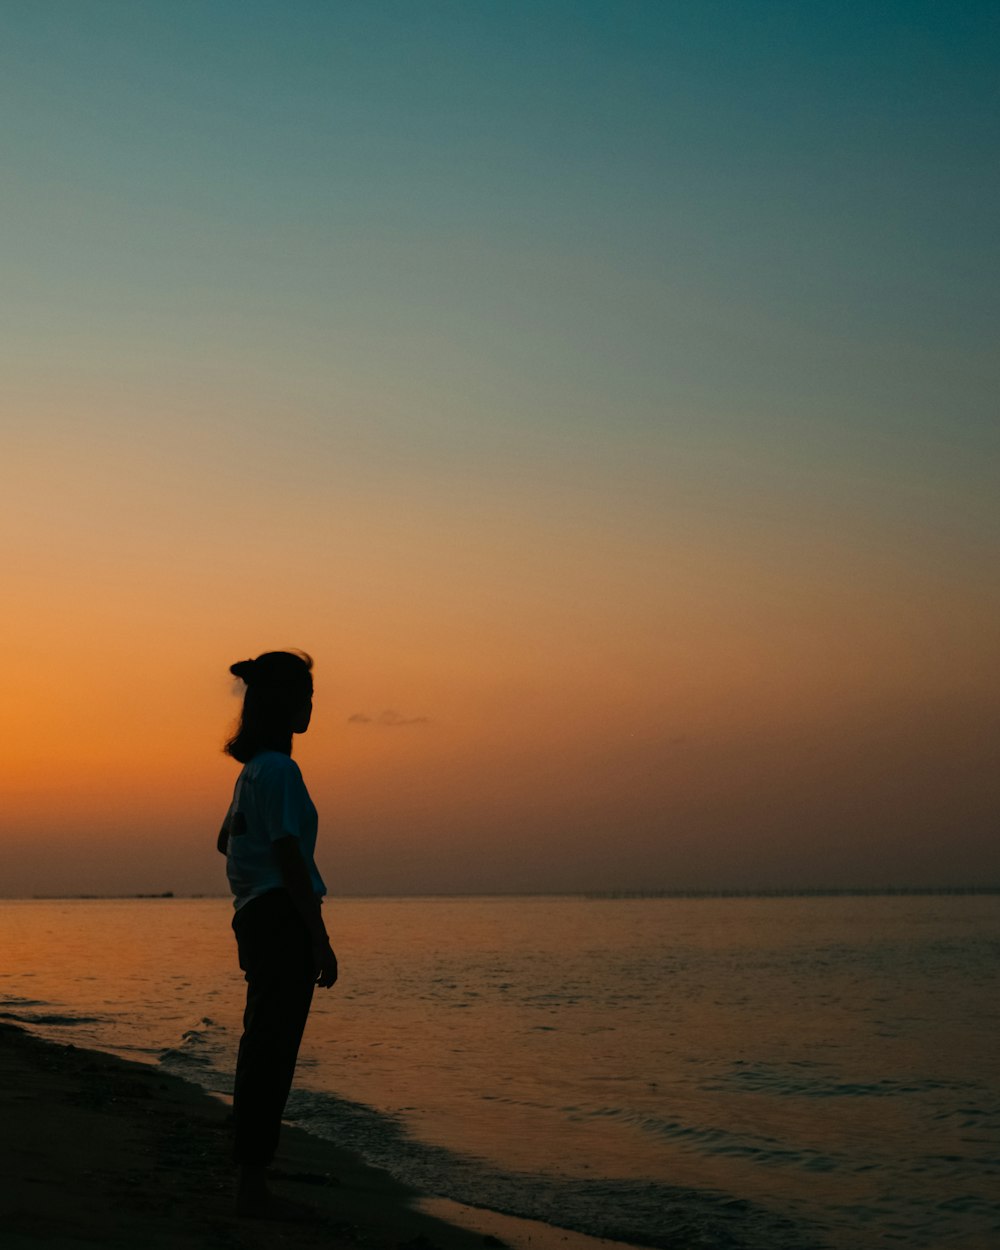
x=276, y=955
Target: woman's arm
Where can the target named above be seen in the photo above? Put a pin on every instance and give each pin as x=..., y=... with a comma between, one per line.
x=295, y=875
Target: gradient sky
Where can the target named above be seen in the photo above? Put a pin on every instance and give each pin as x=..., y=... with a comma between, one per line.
x=605, y=394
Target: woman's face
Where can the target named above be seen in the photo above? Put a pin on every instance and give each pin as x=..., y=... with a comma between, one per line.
x=303, y=715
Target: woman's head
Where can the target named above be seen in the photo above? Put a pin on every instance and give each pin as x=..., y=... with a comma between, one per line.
x=277, y=703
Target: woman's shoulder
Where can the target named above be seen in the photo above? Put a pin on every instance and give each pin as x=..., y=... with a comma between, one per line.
x=271, y=764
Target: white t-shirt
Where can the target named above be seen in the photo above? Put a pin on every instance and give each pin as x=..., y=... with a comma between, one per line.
x=270, y=801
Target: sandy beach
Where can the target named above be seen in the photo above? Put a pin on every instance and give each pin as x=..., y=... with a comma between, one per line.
x=97, y=1150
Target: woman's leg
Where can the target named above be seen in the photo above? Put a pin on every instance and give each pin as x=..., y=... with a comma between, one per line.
x=276, y=956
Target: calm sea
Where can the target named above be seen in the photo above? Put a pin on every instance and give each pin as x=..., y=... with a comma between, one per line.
x=761, y=1073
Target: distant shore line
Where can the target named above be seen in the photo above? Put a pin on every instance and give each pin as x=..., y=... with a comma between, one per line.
x=886, y=891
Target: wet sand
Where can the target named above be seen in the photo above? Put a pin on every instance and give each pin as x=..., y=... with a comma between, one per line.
x=96, y=1150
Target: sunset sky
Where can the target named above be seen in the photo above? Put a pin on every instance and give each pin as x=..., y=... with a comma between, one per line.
x=605, y=394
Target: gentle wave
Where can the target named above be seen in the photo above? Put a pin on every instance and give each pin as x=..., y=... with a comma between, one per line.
x=796, y=1083
x=55, y=1019
x=201, y=1045
x=640, y=1212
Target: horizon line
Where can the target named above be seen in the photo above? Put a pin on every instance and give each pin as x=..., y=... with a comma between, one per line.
x=625, y=893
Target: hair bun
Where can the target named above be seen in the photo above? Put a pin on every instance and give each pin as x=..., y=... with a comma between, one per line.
x=243, y=669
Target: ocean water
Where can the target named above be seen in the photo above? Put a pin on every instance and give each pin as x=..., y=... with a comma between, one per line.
x=775, y=1074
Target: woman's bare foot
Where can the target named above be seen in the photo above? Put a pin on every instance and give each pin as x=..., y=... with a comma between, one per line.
x=255, y=1201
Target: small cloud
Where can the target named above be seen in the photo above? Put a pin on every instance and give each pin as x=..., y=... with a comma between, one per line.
x=393, y=719
x=388, y=719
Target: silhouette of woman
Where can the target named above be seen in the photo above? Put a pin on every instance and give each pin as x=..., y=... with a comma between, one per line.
x=269, y=838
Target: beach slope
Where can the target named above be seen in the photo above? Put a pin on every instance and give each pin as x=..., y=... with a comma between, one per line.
x=96, y=1150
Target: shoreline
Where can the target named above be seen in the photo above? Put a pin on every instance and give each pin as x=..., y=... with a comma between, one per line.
x=100, y=1150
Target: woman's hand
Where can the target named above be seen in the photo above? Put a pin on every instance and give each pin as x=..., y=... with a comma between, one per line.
x=306, y=903
x=326, y=964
